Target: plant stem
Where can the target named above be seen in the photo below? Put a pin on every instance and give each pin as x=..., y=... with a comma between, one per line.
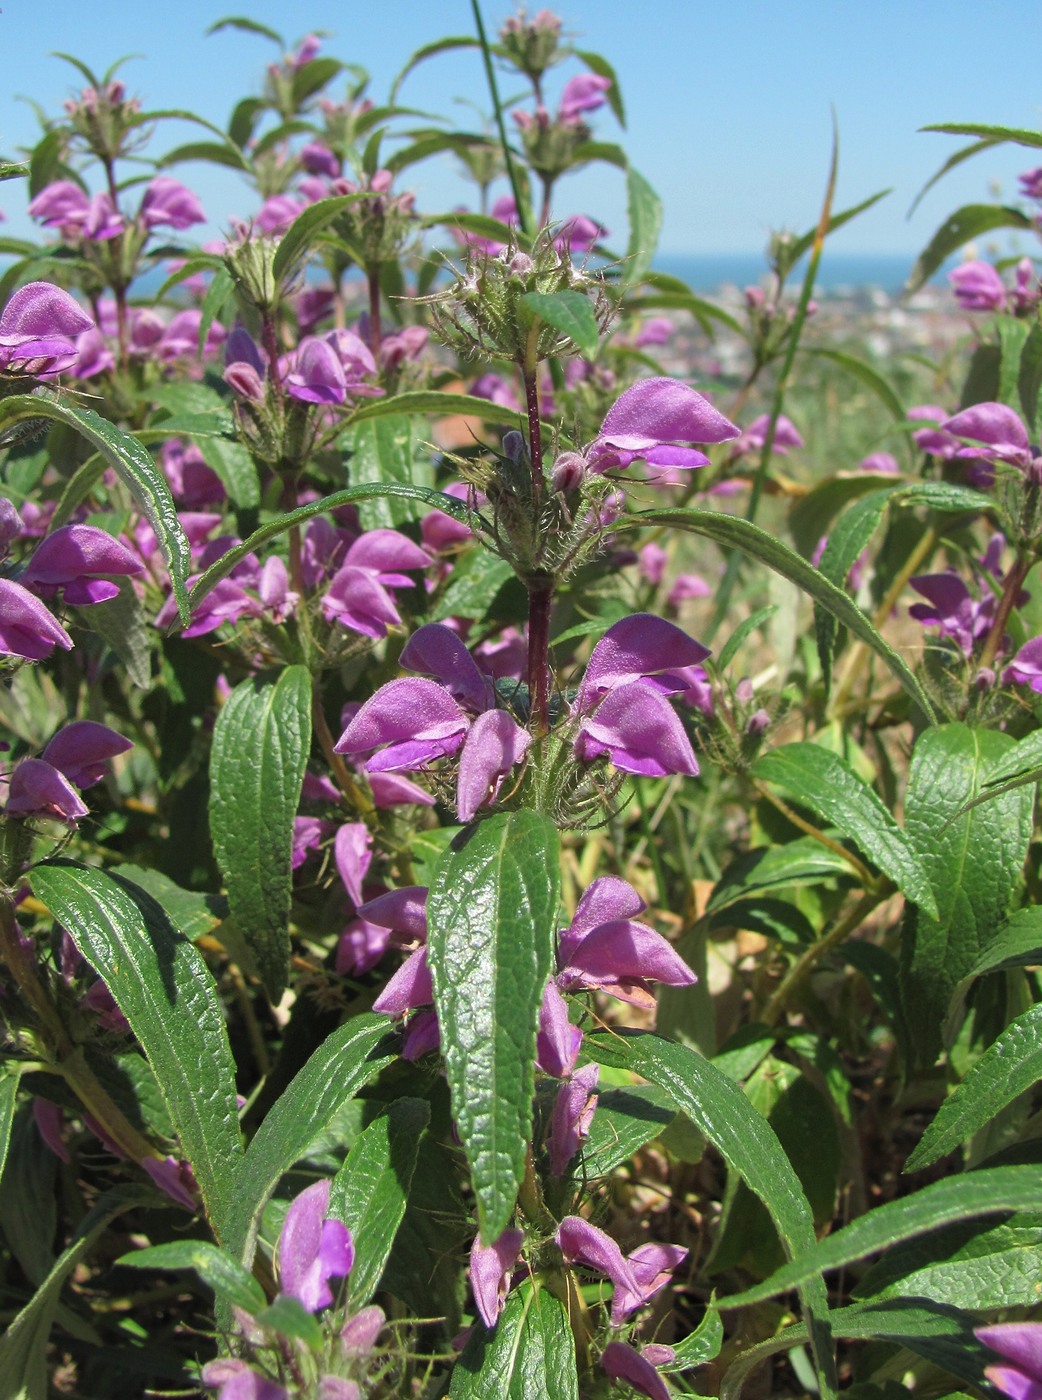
x=861, y=871
x=540, y=586
x=355, y=796
x=372, y=275
x=1010, y=589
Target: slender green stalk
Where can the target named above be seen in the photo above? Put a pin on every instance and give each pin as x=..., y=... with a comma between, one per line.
x=839, y=933
x=524, y=218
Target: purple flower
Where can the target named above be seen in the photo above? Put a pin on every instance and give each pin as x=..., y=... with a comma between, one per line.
x=622, y=1363
x=410, y=987
x=352, y=849
x=1020, y=1346
x=27, y=627
x=637, y=1278
x=786, y=436
x=953, y=609
x=38, y=789
x=1031, y=183
x=38, y=330
x=1026, y=667
x=277, y=213
x=621, y=705
x=410, y=722
x=490, y=1269
x=174, y=1178
x=65, y=206
x=652, y=420
x=358, y=595
x=605, y=948
x=572, y=1115
x=978, y=287
x=318, y=159
x=317, y=375
x=583, y=93
x=494, y=744
x=81, y=560
x=558, y=1042
x=998, y=428
x=167, y=201
x=82, y=750
x=313, y=1250
x=934, y=440
x=238, y=1381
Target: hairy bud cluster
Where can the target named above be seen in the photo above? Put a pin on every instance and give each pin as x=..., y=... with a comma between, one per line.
x=105, y=120
x=532, y=45
x=485, y=313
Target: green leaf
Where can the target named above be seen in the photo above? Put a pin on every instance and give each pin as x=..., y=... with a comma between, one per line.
x=193, y=913
x=942, y=496
x=719, y=1109
x=731, y=532
x=530, y=1352
x=846, y=540
x=1017, y=944
x=698, y=1347
x=437, y=500
x=120, y=623
x=385, y=450
x=989, y=1191
x=940, y=1334
x=1029, y=381
x=805, y=242
x=351, y=1057
x=867, y=375
x=483, y=225
x=971, y=221
x=235, y=467
x=822, y=782
x=291, y=1318
x=626, y=1119
x=455, y=41
x=260, y=749
x=1020, y=767
x=166, y=991
x=644, y=209
x=217, y=293
x=571, y=313
x=766, y=868
x=23, y=1347
x=603, y=69
x=436, y=405
x=1012, y=334
x=228, y=1279
x=1019, y=135
x=213, y=152
x=950, y=164
x=13, y=170
x=306, y=227
x=730, y=648
x=248, y=26
x=371, y=1190
x=491, y=915
x=1008, y=1067
x=132, y=464
x=971, y=1265
x=8, y=1098
x=972, y=860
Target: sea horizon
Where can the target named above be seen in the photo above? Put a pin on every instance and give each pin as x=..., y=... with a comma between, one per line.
x=708, y=272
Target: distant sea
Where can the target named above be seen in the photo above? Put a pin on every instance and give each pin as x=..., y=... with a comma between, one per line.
x=707, y=272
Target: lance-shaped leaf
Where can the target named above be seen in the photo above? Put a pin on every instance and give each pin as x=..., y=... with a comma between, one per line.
x=976, y=1264
x=972, y=859
x=645, y=218
x=530, y=1352
x=260, y=749
x=133, y=465
x=347, y=1061
x=371, y=1190
x=490, y=915
x=228, y=1279
x=571, y=313
x=1009, y=1066
x=824, y=783
x=387, y=450
x=167, y=993
x=306, y=227
x=733, y=533
x=971, y=221
x=719, y=1109
x=975, y=1194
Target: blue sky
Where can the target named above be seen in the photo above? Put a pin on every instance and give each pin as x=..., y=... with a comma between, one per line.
x=728, y=105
